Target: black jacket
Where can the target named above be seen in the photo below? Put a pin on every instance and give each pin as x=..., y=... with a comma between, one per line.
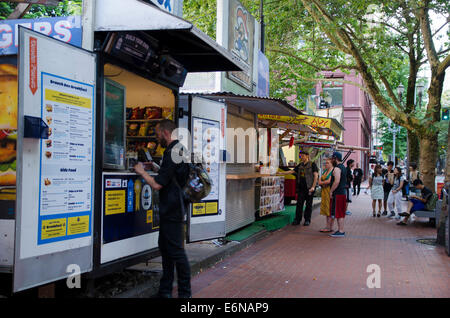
x=169, y=196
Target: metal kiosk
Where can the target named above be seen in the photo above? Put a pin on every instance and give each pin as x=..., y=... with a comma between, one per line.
x=81, y=116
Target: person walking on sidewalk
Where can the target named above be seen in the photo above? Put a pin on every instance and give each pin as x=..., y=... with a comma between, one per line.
x=387, y=186
x=338, y=202
x=307, y=176
x=395, y=196
x=376, y=189
x=324, y=182
x=170, y=241
x=357, y=179
x=350, y=165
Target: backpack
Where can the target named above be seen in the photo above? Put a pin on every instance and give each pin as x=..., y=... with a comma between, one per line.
x=198, y=184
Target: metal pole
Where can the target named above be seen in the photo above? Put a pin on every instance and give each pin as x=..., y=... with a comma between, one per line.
x=88, y=24
x=263, y=27
x=394, y=132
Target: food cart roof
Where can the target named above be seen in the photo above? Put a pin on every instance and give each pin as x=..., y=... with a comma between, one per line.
x=320, y=125
x=186, y=44
x=255, y=104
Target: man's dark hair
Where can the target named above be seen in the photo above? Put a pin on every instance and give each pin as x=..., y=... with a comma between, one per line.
x=350, y=162
x=390, y=163
x=417, y=182
x=167, y=125
x=413, y=165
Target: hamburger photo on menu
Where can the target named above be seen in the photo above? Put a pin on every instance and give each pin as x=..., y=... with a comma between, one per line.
x=8, y=131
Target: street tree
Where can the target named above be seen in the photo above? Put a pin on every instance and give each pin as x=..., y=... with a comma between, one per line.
x=371, y=38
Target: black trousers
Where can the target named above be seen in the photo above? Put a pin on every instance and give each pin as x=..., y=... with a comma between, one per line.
x=173, y=255
x=302, y=198
x=356, y=184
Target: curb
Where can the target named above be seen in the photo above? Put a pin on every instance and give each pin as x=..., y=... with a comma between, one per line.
x=150, y=287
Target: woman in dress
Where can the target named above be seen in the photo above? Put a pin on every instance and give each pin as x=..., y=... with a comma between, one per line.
x=376, y=187
x=324, y=182
x=395, y=196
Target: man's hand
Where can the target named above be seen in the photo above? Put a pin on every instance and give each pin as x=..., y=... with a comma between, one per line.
x=311, y=190
x=139, y=168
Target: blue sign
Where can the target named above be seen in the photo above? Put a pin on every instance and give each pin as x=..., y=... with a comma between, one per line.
x=174, y=7
x=66, y=29
x=263, y=75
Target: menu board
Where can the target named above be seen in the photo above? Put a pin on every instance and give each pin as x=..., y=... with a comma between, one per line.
x=272, y=195
x=66, y=159
x=206, y=145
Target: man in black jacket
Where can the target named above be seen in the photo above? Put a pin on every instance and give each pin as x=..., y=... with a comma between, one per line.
x=357, y=178
x=350, y=164
x=307, y=175
x=171, y=241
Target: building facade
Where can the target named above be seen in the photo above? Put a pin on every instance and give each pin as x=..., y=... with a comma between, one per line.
x=355, y=105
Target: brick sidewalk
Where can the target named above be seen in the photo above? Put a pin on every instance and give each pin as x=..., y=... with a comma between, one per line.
x=299, y=262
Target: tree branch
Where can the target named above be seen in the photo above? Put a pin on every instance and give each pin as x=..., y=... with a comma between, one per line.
x=318, y=68
x=443, y=66
x=323, y=79
x=318, y=19
x=384, y=106
x=424, y=20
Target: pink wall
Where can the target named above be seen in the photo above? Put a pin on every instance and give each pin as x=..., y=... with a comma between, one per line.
x=357, y=115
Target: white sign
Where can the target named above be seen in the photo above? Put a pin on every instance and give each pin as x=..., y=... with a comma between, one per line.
x=206, y=135
x=66, y=165
x=55, y=179
x=56, y=174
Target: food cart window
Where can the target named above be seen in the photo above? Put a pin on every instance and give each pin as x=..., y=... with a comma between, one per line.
x=133, y=107
x=114, y=110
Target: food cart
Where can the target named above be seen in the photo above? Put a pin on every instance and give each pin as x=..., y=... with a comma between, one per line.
x=318, y=134
x=244, y=183
x=83, y=117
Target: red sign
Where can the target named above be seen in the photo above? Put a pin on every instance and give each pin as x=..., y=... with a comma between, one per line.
x=33, y=65
x=440, y=186
x=291, y=141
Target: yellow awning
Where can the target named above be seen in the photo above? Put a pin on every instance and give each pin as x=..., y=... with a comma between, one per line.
x=324, y=125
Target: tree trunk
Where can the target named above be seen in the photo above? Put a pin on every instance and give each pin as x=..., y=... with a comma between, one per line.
x=414, y=149
x=447, y=160
x=428, y=157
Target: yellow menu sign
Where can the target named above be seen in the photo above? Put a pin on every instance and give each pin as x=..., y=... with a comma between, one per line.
x=65, y=98
x=198, y=208
x=53, y=228
x=114, y=202
x=78, y=225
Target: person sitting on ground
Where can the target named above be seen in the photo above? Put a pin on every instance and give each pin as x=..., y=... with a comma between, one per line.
x=416, y=203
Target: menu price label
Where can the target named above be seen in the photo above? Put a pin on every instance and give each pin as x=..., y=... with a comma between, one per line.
x=66, y=159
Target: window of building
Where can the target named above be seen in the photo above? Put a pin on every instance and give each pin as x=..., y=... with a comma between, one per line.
x=335, y=91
